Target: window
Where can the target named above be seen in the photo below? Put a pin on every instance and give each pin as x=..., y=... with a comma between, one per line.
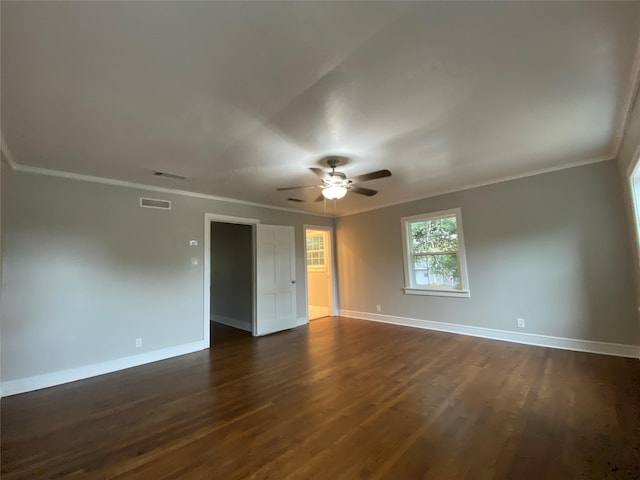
x=434, y=254
x=315, y=251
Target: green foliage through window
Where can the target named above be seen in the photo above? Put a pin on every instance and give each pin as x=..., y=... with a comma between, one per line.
x=434, y=252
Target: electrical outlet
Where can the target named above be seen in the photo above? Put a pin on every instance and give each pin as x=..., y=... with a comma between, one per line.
x=378, y=308
x=520, y=322
x=138, y=343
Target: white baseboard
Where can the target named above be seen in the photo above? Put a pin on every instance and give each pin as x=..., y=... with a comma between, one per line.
x=231, y=322
x=21, y=385
x=616, y=349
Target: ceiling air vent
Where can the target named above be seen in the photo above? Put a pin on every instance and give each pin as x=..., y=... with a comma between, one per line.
x=175, y=176
x=155, y=203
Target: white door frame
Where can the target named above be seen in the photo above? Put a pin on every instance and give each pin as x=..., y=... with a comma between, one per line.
x=214, y=217
x=333, y=291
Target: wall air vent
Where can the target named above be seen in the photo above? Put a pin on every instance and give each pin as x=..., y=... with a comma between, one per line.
x=155, y=203
x=158, y=173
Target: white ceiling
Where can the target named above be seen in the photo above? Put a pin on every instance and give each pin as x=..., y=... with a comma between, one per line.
x=243, y=97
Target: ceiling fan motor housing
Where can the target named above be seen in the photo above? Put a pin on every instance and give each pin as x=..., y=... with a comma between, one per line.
x=333, y=162
x=335, y=178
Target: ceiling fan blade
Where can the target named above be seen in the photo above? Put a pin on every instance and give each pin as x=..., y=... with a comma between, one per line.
x=293, y=188
x=320, y=198
x=319, y=172
x=371, y=176
x=363, y=191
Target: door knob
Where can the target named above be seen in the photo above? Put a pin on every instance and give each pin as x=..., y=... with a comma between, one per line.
x=293, y=281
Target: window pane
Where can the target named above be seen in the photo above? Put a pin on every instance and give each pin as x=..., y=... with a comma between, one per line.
x=437, y=271
x=315, y=257
x=434, y=235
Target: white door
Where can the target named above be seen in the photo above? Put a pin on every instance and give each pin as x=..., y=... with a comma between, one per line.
x=276, y=279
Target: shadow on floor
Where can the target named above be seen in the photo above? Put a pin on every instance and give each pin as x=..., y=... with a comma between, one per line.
x=224, y=334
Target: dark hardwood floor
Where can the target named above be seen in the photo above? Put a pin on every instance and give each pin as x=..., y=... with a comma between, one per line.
x=340, y=399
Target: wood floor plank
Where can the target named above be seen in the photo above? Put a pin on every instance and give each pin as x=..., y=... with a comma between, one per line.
x=341, y=398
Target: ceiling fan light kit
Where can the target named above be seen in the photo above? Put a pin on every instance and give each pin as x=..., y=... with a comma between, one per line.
x=335, y=185
x=334, y=192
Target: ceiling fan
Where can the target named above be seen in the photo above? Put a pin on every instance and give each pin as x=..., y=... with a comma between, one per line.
x=335, y=185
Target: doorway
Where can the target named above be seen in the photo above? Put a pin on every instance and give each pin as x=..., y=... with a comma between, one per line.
x=319, y=270
x=229, y=277
x=249, y=277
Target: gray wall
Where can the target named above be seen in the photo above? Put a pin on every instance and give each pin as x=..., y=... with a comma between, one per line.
x=551, y=248
x=87, y=271
x=232, y=272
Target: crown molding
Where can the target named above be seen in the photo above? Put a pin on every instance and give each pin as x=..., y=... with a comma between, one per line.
x=151, y=188
x=14, y=165
x=622, y=124
x=630, y=98
x=438, y=193
x=121, y=183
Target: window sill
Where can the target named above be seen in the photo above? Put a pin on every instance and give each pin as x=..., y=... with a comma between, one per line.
x=316, y=268
x=438, y=293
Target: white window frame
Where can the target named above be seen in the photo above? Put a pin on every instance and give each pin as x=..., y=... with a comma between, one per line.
x=409, y=286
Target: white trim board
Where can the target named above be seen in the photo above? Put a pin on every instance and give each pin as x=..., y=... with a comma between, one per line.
x=616, y=349
x=122, y=183
x=140, y=186
x=22, y=385
x=231, y=322
x=471, y=186
x=214, y=217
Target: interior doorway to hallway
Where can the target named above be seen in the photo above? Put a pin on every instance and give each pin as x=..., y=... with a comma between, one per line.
x=319, y=268
x=231, y=288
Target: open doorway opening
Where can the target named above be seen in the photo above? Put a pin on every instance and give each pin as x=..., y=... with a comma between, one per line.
x=231, y=275
x=319, y=267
